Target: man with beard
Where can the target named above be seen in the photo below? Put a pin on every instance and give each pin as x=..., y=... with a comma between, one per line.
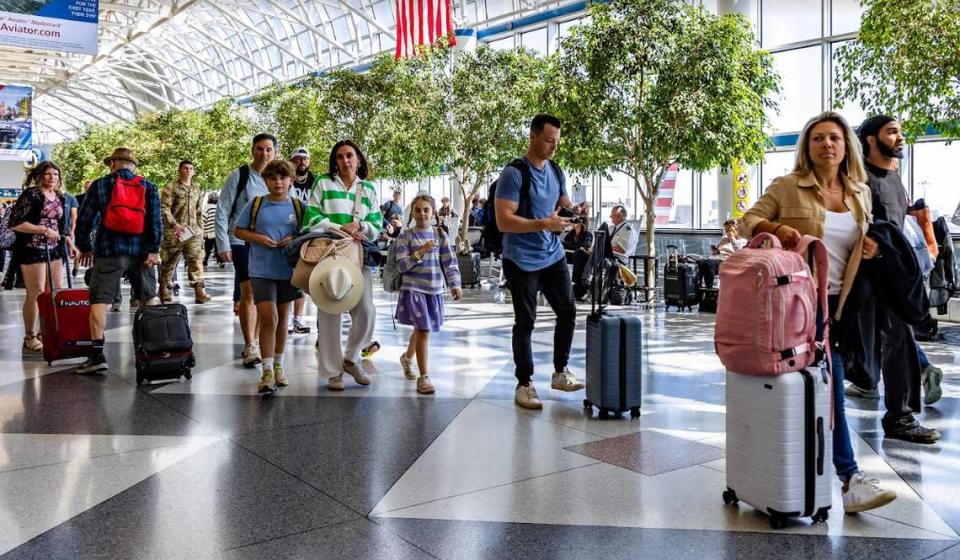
x=882, y=140
x=302, y=185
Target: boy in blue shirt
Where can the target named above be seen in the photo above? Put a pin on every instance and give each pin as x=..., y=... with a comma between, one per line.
x=267, y=224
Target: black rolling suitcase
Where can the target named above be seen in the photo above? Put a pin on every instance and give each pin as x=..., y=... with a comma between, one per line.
x=681, y=282
x=708, y=299
x=614, y=357
x=162, y=342
x=469, y=269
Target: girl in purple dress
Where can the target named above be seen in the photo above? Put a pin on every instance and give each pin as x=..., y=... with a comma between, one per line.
x=426, y=259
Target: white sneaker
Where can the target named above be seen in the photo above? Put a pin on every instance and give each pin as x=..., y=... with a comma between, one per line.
x=356, y=371
x=335, y=383
x=865, y=493
x=526, y=397
x=251, y=356
x=565, y=381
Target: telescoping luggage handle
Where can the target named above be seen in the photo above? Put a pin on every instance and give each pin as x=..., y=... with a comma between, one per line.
x=50, y=267
x=596, y=305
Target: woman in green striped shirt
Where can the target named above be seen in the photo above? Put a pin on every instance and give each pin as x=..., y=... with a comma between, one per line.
x=331, y=206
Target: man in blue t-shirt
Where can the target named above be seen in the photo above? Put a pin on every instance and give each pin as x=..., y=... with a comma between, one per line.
x=533, y=258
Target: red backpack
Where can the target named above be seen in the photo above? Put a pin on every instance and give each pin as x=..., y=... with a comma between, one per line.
x=127, y=210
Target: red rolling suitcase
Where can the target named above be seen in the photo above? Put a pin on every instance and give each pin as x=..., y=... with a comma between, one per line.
x=64, y=320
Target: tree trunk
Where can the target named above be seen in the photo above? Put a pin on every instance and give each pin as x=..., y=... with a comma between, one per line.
x=462, y=240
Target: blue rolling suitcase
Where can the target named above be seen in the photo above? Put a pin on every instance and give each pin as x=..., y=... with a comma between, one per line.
x=614, y=357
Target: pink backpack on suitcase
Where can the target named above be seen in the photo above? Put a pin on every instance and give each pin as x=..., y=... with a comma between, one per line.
x=767, y=307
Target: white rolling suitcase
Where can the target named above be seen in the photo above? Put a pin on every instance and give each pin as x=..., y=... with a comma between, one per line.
x=780, y=444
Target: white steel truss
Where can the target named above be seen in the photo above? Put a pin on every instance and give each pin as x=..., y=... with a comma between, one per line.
x=156, y=55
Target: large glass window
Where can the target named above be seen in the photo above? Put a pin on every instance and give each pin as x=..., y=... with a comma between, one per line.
x=618, y=190
x=776, y=164
x=503, y=44
x=845, y=16
x=709, y=203
x=788, y=21
x=935, y=179
x=851, y=109
x=681, y=205
x=536, y=41
x=565, y=27
x=801, y=87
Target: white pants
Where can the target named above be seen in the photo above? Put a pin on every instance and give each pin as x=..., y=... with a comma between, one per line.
x=363, y=320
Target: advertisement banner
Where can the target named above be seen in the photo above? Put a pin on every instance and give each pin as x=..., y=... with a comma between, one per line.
x=16, y=124
x=50, y=25
x=741, y=188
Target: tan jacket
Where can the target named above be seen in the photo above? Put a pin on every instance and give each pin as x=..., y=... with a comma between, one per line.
x=795, y=200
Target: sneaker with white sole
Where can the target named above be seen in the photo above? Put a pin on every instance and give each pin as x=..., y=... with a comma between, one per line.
x=864, y=494
x=856, y=392
x=266, y=382
x=565, y=381
x=335, y=383
x=94, y=364
x=251, y=356
x=278, y=377
x=407, y=365
x=526, y=397
x=356, y=371
x=931, y=378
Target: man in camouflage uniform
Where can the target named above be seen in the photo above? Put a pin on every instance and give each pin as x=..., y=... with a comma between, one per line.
x=181, y=208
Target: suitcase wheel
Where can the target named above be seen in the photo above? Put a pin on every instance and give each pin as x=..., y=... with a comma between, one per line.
x=778, y=521
x=635, y=412
x=188, y=375
x=587, y=404
x=730, y=497
x=139, y=377
x=821, y=515
x=604, y=414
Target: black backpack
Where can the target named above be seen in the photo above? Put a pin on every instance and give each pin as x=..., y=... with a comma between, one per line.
x=241, y=187
x=492, y=236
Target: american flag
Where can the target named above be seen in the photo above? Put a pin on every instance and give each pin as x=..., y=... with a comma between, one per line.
x=422, y=22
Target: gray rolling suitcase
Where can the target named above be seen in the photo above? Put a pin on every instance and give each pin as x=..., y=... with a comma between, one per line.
x=614, y=357
x=780, y=444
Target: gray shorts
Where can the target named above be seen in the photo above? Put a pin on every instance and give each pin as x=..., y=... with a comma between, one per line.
x=107, y=271
x=279, y=291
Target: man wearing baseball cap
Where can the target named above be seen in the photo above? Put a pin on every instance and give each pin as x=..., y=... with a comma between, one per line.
x=302, y=185
x=881, y=137
x=114, y=247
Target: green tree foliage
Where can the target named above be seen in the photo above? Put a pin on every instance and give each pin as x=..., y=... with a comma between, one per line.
x=905, y=62
x=409, y=137
x=296, y=114
x=493, y=96
x=652, y=83
x=216, y=140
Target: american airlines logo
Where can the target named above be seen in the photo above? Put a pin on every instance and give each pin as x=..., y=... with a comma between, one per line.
x=73, y=303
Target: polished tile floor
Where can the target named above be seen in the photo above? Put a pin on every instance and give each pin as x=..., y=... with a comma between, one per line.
x=94, y=467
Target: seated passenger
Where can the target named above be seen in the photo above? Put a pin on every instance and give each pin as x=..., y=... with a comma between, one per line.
x=579, y=246
x=730, y=243
x=623, y=237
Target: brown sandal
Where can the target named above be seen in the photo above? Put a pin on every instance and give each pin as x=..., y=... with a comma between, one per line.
x=31, y=343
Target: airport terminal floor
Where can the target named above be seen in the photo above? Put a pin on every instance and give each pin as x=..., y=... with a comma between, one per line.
x=95, y=467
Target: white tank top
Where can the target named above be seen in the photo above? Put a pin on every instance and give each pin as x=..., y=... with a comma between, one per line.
x=840, y=234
